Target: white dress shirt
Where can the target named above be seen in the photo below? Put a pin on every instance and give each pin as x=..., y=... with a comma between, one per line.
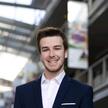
x=49, y=89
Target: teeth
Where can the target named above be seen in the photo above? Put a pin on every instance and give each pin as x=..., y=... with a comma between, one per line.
x=53, y=62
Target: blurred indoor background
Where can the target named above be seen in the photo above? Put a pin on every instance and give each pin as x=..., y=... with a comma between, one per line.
x=85, y=24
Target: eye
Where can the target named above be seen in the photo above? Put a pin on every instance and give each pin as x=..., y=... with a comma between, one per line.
x=44, y=49
x=58, y=47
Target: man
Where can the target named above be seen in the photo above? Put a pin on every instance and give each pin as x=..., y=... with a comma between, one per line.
x=54, y=89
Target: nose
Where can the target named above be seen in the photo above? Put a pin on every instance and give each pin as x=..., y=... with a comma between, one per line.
x=51, y=53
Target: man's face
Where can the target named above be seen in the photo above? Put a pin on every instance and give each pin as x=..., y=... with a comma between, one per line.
x=52, y=53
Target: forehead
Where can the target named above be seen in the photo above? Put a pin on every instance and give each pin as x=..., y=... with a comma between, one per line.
x=55, y=40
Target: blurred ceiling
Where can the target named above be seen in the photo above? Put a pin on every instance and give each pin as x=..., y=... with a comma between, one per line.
x=36, y=4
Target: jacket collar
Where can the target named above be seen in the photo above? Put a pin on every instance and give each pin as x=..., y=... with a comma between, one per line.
x=65, y=84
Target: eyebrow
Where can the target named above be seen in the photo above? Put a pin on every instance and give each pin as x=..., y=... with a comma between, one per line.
x=44, y=47
x=56, y=46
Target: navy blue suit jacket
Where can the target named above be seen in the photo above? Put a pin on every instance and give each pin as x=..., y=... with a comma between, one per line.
x=71, y=94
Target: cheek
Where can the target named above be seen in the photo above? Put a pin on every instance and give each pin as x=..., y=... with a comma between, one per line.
x=43, y=56
x=64, y=54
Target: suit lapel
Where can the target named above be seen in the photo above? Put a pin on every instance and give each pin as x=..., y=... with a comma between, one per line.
x=37, y=94
x=62, y=91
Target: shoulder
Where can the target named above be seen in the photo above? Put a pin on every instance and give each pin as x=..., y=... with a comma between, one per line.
x=28, y=86
x=79, y=86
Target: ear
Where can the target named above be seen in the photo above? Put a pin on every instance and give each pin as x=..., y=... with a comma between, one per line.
x=66, y=54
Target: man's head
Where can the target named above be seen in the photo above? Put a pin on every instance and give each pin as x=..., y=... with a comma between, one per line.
x=50, y=32
x=52, y=45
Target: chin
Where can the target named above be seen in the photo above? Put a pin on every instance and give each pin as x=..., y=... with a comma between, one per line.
x=54, y=70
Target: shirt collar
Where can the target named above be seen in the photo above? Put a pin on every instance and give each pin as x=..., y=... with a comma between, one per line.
x=57, y=79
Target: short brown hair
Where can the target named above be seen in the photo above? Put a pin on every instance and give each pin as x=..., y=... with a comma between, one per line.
x=50, y=32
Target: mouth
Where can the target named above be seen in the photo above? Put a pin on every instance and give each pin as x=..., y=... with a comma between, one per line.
x=52, y=62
